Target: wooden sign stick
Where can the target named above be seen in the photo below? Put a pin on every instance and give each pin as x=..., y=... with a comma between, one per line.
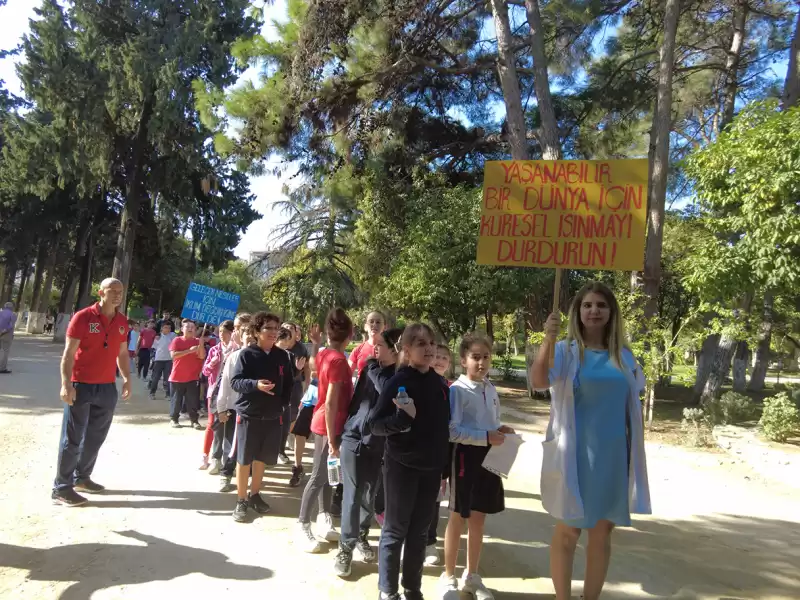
x=556, y=305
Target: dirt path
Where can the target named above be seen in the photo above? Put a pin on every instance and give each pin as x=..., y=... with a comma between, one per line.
x=719, y=531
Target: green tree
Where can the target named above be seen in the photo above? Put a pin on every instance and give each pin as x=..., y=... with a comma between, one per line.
x=747, y=183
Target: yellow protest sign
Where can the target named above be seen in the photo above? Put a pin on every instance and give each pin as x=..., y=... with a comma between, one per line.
x=564, y=214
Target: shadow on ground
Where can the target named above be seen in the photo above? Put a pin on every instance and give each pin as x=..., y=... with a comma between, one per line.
x=93, y=567
x=717, y=555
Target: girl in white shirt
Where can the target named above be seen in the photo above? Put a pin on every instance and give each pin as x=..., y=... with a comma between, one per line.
x=474, y=492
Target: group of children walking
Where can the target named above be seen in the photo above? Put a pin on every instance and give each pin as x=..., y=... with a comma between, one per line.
x=399, y=429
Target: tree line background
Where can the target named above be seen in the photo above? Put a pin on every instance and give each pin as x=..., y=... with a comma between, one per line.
x=128, y=153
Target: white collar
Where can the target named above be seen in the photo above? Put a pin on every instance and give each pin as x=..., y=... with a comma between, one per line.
x=472, y=385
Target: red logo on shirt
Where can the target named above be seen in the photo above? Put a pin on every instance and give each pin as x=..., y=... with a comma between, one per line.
x=94, y=327
x=280, y=370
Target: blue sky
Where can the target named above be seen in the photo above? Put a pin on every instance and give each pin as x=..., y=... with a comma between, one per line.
x=267, y=188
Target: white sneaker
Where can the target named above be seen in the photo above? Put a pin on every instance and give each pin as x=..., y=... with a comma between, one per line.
x=326, y=529
x=216, y=465
x=307, y=540
x=432, y=555
x=473, y=584
x=448, y=586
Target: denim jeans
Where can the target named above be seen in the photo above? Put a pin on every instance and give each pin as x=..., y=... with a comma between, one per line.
x=83, y=430
x=188, y=391
x=360, y=472
x=161, y=369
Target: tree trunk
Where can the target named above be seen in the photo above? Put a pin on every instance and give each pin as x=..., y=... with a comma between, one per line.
x=507, y=71
x=23, y=281
x=47, y=290
x=8, y=282
x=740, y=367
x=490, y=325
x=85, y=284
x=740, y=12
x=704, y=362
x=133, y=200
x=763, y=353
x=662, y=123
x=41, y=258
x=549, y=137
x=67, y=302
x=720, y=367
x=791, y=88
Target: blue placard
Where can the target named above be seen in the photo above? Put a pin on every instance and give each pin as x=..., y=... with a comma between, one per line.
x=209, y=305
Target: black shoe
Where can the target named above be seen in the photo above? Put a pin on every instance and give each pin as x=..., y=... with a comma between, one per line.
x=88, y=486
x=225, y=485
x=385, y=596
x=412, y=595
x=297, y=476
x=5, y=372
x=68, y=497
x=367, y=552
x=240, y=512
x=342, y=565
x=256, y=502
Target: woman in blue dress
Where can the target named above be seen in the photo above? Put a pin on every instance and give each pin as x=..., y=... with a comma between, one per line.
x=593, y=469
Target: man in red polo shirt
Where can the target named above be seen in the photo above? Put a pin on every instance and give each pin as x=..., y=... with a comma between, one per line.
x=97, y=343
x=188, y=354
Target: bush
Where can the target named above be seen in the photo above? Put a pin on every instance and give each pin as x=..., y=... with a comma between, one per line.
x=696, y=427
x=780, y=419
x=728, y=409
x=507, y=366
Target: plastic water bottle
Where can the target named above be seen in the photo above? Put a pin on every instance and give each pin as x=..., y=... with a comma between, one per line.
x=402, y=396
x=334, y=471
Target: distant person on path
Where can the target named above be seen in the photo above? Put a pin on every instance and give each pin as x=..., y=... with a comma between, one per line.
x=212, y=368
x=133, y=343
x=222, y=404
x=166, y=318
x=188, y=354
x=262, y=376
x=594, y=473
x=441, y=364
x=96, y=346
x=373, y=327
x=330, y=414
x=298, y=355
x=7, y=321
x=147, y=338
x=362, y=455
x=162, y=364
x=474, y=492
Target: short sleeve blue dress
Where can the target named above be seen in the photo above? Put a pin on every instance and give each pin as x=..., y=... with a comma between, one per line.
x=601, y=392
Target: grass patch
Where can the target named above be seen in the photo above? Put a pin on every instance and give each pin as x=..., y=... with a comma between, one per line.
x=518, y=362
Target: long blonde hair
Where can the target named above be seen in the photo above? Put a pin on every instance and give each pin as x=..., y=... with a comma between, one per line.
x=614, y=335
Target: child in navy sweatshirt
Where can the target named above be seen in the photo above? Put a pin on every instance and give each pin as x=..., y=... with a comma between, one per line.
x=416, y=452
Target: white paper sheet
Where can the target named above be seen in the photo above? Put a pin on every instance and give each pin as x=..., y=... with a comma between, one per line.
x=500, y=459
